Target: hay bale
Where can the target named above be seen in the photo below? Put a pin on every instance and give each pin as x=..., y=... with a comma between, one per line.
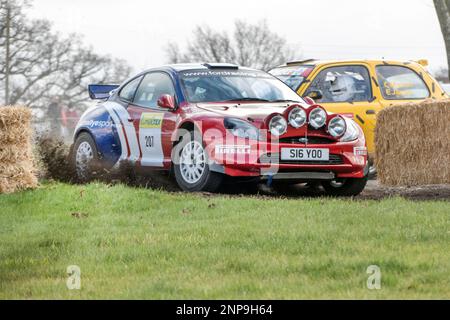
x=15, y=125
x=17, y=176
x=11, y=153
x=413, y=144
x=16, y=158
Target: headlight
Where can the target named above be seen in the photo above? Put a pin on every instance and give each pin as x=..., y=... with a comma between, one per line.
x=317, y=118
x=337, y=126
x=241, y=128
x=277, y=125
x=297, y=117
x=352, y=131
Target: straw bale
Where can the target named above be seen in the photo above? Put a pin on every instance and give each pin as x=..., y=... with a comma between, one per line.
x=15, y=177
x=11, y=153
x=413, y=144
x=17, y=170
x=15, y=125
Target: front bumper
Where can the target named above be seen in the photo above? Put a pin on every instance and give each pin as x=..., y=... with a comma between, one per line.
x=256, y=158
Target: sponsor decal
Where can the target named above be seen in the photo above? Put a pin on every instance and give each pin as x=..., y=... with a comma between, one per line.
x=398, y=89
x=232, y=149
x=360, y=151
x=98, y=124
x=151, y=120
x=150, y=139
x=209, y=73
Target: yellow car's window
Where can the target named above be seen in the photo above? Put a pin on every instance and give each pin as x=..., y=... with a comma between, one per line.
x=342, y=84
x=401, y=83
x=293, y=76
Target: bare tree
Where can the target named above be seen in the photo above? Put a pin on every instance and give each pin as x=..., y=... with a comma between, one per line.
x=443, y=12
x=41, y=64
x=87, y=67
x=250, y=45
x=441, y=75
x=173, y=53
x=9, y=12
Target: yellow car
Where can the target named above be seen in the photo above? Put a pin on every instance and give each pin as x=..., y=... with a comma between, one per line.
x=360, y=88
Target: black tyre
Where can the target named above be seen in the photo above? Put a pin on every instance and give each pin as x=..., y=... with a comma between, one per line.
x=190, y=166
x=345, y=187
x=372, y=173
x=84, y=157
x=372, y=169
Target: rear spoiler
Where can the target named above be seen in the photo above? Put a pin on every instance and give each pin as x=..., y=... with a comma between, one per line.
x=423, y=62
x=101, y=91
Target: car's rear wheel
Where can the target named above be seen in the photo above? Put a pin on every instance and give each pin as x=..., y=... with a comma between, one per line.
x=84, y=157
x=345, y=187
x=190, y=164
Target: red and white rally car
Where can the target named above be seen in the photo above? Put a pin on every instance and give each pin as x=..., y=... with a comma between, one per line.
x=207, y=121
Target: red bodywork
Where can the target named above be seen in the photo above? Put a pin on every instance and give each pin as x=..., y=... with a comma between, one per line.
x=208, y=118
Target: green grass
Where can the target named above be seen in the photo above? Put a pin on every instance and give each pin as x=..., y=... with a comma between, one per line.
x=140, y=243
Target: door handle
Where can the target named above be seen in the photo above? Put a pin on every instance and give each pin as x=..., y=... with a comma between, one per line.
x=370, y=111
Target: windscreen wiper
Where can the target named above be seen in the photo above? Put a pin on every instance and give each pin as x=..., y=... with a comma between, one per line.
x=284, y=100
x=247, y=99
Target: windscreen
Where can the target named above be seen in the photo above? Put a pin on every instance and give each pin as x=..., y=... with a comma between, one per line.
x=234, y=85
x=293, y=76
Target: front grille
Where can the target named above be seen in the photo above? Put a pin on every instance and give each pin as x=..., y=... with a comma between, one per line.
x=307, y=140
x=274, y=157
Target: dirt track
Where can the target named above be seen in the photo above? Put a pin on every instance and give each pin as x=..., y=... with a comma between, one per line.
x=373, y=191
x=434, y=192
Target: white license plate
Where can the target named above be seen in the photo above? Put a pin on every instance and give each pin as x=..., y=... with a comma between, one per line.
x=305, y=154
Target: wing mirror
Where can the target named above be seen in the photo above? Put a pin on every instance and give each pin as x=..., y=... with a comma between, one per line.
x=316, y=94
x=166, y=101
x=309, y=101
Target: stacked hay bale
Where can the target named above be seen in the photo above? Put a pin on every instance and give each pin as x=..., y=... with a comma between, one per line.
x=16, y=157
x=413, y=144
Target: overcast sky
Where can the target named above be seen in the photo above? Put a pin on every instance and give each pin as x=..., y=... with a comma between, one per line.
x=138, y=30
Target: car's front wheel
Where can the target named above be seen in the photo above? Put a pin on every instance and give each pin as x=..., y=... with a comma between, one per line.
x=191, y=169
x=84, y=157
x=346, y=187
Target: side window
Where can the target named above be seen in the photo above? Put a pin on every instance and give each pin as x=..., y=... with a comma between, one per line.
x=127, y=92
x=152, y=87
x=401, y=83
x=343, y=84
x=293, y=76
